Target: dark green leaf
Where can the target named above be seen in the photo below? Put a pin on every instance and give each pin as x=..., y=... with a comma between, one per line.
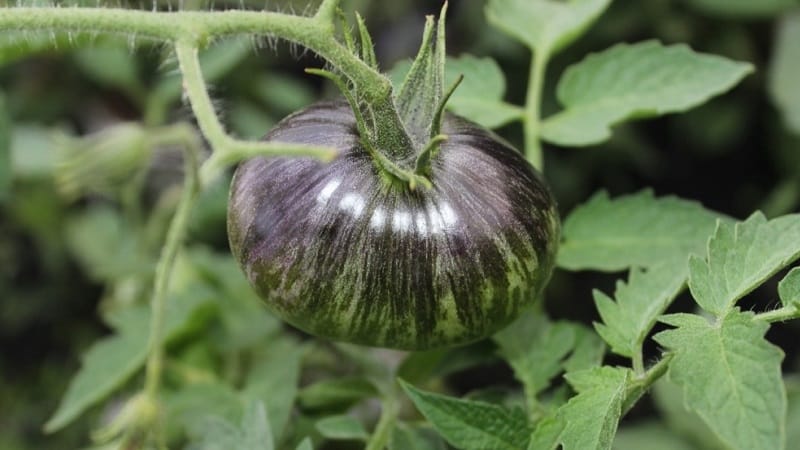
x=730, y=375
x=635, y=230
x=472, y=425
x=635, y=81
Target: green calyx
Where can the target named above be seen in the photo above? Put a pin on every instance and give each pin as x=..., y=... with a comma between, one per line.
x=401, y=131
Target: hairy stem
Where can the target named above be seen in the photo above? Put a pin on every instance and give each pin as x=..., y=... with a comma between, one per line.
x=200, y=27
x=532, y=119
x=175, y=233
x=787, y=312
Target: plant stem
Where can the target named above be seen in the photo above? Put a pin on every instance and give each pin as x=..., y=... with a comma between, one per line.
x=226, y=149
x=175, y=233
x=200, y=27
x=531, y=120
x=787, y=312
x=638, y=362
x=380, y=437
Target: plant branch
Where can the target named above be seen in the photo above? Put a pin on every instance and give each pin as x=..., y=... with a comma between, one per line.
x=175, y=233
x=200, y=27
x=383, y=430
x=532, y=118
x=787, y=312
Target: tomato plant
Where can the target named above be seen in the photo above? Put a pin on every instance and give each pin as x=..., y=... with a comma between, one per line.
x=420, y=252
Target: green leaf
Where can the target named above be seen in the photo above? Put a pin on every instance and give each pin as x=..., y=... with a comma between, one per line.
x=274, y=377
x=408, y=437
x=472, y=425
x=628, y=320
x=789, y=288
x=5, y=150
x=217, y=433
x=32, y=154
x=592, y=416
x=635, y=230
x=740, y=257
x=112, y=360
x=544, y=25
x=336, y=393
x=649, y=435
x=588, y=352
x=742, y=8
x=547, y=434
x=535, y=348
x=668, y=399
x=633, y=81
x=194, y=403
x=104, y=367
x=342, y=427
x=305, y=444
x=730, y=376
x=479, y=97
x=784, y=70
x=112, y=66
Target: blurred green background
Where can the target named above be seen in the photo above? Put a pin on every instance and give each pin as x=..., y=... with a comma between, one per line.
x=81, y=219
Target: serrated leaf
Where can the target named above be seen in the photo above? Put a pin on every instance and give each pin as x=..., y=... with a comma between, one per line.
x=547, y=434
x=784, y=70
x=336, y=393
x=342, y=427
x=639, y=302
x=789, y=288
x=479, y=97
x=535, y=348
x=742, y=8
x=668, y=399
x=112, y=360
x=217, y=433
x=592, y=416
x=636, y=230
x=472, y=425
x=630, y=81
x=544, y=25
x=740, y=257
x=730, y=376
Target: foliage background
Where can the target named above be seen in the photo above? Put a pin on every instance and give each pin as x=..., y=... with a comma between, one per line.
x=735, y=154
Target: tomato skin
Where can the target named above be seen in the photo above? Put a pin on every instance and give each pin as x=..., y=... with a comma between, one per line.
x=344, y=252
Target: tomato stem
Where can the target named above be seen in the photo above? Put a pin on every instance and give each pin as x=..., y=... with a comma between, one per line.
x=532, y=119
x=175, y=234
